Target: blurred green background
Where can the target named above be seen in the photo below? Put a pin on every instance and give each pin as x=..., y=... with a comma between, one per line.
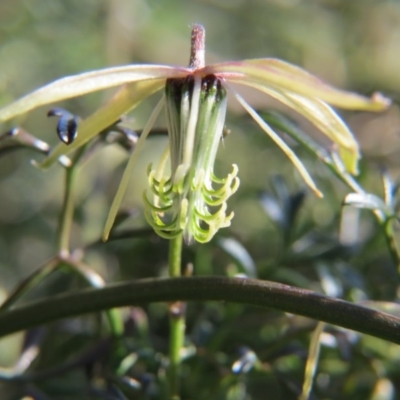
x=352, y=44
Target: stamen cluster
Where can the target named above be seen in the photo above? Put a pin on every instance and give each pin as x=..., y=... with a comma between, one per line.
x=186, y=200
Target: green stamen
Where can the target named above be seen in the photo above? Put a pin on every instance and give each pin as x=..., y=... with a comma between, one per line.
x=195, y=109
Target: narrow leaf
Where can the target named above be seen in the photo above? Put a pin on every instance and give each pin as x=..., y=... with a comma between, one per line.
x=128, y=170
x=312, y=361
x=326, y=120
x=283, y=123
x=284, y=147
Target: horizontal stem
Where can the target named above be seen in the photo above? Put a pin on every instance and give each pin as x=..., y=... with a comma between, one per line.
x=237, y=290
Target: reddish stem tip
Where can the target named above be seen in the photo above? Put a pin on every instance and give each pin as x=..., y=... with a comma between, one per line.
x=197, y=47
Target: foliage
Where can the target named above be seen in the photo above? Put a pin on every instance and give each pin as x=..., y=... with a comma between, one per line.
x=343, y=246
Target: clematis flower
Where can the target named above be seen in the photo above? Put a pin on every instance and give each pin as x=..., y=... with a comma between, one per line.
x=191, y=200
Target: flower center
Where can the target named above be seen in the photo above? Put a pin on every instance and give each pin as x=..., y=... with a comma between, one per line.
x=187, y=201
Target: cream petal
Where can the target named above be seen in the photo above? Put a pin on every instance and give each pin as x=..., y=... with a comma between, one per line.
x=88, y=82
x=281, y=75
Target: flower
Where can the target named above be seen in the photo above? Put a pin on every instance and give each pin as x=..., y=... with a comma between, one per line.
x=195, y=103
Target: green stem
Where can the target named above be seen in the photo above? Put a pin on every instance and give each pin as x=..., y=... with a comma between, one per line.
x=66, y=220
x=387, y=225
x=30, y=282
x=67, y=212
x=214, y=288
x=176, y=320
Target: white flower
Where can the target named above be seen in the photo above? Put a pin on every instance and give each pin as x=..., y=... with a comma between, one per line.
x=195, y=101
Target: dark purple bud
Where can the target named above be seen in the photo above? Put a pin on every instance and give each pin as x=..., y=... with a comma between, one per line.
x=67, y=127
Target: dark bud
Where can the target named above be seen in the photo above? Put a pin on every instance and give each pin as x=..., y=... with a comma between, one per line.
x=67, y=127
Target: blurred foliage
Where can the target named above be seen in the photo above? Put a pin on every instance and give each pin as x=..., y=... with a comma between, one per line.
x=279, y=232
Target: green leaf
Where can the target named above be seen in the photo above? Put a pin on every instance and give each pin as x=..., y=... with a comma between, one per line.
x=128, y=170
x=281, y=143
x=312, y=361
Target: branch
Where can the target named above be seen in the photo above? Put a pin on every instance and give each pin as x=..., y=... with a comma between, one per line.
x=238, y=290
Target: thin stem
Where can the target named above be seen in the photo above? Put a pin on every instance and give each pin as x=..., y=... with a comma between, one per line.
x=92, y=278
x=387, y=226
x=66, y=220
x=67, y=212
x=27, y=284
x=129, y=167
x=213, y=288
x=176, y=320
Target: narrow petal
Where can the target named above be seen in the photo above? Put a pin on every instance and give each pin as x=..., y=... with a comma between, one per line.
x=127, y=98
x=325, y=119
x=128, y=169
x=285, y=148
x=88, y=82
x=280, y=75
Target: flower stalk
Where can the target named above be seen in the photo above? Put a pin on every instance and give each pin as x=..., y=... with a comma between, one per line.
x=176, y=320
x=68, y=207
